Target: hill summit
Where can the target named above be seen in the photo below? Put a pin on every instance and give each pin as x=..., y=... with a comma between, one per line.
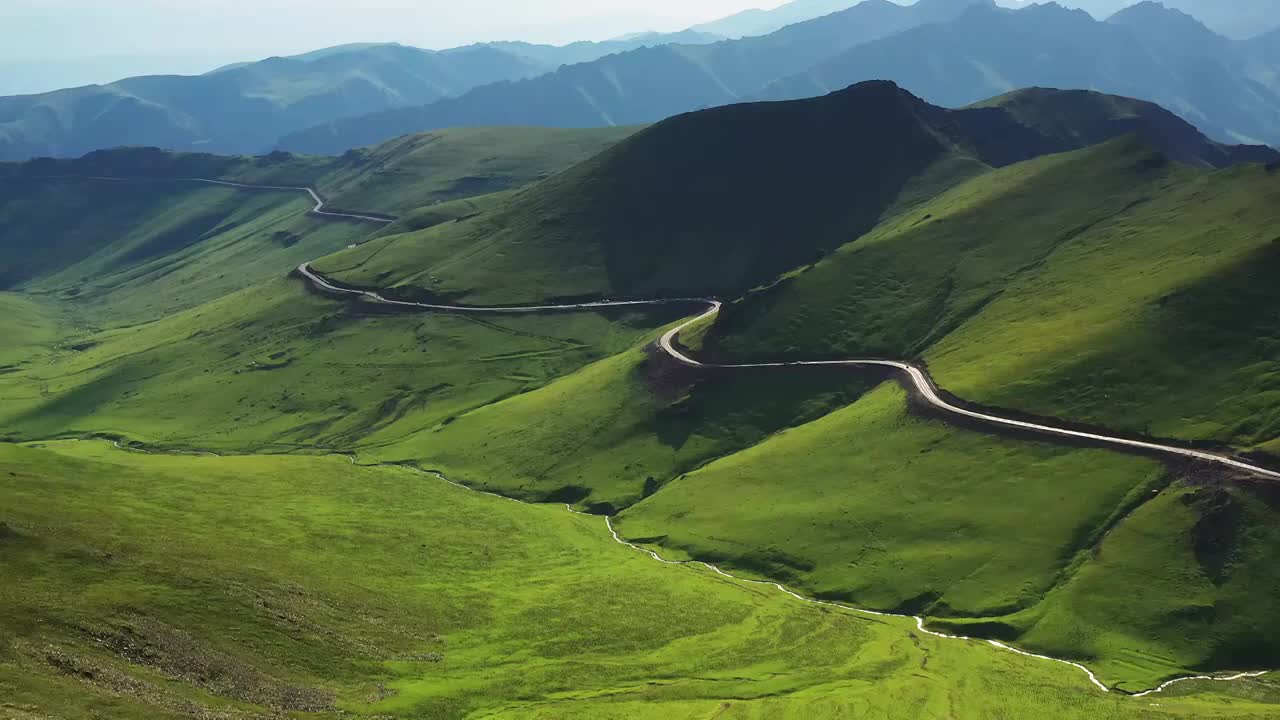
x=720, y=200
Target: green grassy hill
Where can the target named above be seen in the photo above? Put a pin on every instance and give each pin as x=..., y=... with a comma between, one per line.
x=395, y=178
x=1107, y=285
x=1071, y=119
x=276, y=368
x=1121, y=289
x=703, y=204
x=139, y=249
x=1137, y=300
x=125, y=252
x=431, y=168
x=380, y=592
x=101, y=342
x=658, y=215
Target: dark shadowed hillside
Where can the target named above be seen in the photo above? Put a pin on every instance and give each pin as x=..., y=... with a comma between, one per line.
x=719, y=200
x=1043, y=120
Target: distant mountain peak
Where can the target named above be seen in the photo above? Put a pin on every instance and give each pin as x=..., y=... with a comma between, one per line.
x=1161, y=25
x=879, y=92
x=1056, y=9
x=756, y=22
x=952, y=6
x=1152, y=11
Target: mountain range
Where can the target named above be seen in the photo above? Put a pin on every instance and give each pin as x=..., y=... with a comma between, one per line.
x=951, y=52
x=246, y=107
x=1228, y=88
x=643, y=85
x=1233, y=18
x=762, y=22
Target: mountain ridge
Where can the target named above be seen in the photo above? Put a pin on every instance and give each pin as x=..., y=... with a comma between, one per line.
x=638, y=86
x=245, y=108
x=1221, y=86
x=721, y=232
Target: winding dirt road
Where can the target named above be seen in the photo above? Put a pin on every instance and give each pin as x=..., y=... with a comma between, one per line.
x=315, y=196
x=919, y=379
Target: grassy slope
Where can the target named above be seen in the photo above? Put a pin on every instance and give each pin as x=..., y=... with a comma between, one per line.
x=1078, y=118
x=276, y=368
x=50, y=225
x=245, y=595
x=664, y=213
x=719, y=201
x=429, y=168
x=871, y=505
x=1183, y=344
x=393, y=178
x=1033, y=246
x=129, y=252
x=30, y=329
x=133, y=251
x=618, y=430
x=1138, y=299
x=269, y=367
x=1188, y=581
x=141, y=382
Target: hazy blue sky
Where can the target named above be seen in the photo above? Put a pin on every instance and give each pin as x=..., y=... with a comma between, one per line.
x=68, y=29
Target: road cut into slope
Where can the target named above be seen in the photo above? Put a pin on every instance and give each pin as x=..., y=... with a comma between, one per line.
x=919, y=380
x=916, y=376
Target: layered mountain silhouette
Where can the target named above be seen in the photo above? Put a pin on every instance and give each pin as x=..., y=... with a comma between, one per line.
x=643, y=85
x=1233, y=18
x=1227, y=88
x=245, y=108
x=951, y=52
x=755, y=22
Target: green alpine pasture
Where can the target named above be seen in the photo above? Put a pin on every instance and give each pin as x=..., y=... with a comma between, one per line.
x=618, y=430
x=31, y=328
x=277, y=368
x=875, y=507
x=122, y=253
x=427, y=169
x=651, y=218
x=395, y=177
x=722, y=201
x=1140, y=300
x=1188, y=581
x=1107, y=285
x=178, y=586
